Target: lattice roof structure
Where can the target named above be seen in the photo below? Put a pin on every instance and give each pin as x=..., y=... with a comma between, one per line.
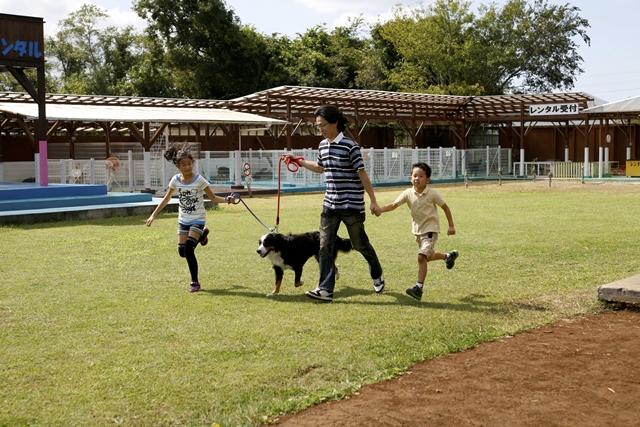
x=291, y=102
x=299, y=102
x=133, y=101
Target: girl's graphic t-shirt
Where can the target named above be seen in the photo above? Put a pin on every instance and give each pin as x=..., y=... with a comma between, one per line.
x=191, y=199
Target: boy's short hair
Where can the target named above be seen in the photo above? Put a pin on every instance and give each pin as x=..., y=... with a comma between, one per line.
x=425, y=167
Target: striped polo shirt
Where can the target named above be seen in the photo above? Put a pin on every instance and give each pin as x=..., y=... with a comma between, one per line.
x=341, y=160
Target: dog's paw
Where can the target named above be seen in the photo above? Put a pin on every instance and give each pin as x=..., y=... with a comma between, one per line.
x=297, y=285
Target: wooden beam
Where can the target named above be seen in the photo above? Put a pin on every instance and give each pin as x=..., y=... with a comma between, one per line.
x=157, y=133
x=53, y=128
x=26, y=129
x=21, y=77
x=135, y=132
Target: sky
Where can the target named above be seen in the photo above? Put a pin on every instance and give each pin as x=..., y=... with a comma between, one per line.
x=611, y=61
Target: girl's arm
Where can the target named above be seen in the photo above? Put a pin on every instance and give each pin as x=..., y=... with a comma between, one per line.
x=158, y=209
x=447, y=212
x=213, y=197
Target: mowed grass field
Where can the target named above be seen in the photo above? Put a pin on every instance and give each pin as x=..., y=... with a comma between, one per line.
x=97, y=326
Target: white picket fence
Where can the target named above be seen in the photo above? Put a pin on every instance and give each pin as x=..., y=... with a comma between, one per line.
x=574, y=170
x=138, y=171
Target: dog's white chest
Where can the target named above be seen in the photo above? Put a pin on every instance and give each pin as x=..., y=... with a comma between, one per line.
x=276, y=259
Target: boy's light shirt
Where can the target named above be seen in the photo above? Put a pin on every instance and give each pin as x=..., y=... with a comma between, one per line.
x=424, y=209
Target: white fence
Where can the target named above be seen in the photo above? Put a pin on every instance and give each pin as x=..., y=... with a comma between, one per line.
x=568, y=169
x=138, y=171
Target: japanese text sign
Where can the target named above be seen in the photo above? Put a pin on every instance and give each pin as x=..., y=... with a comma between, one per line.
x=21, y=41
x=553, y=109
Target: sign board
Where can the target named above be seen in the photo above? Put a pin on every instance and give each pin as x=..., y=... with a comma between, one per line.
x=553, y=109
x=632, y=168
x=21, y=41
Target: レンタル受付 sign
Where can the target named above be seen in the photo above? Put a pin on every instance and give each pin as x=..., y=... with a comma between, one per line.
x=553, y=109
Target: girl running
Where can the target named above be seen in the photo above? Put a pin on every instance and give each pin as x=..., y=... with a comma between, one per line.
x=191, y=189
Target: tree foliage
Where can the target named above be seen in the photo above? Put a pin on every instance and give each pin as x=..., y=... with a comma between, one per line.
x=523, y=46
x=209, y=53
x=91, y=59
x=198, y=49
x=325, y=58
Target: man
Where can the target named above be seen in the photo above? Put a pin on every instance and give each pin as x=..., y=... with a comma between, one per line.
x=340, y=160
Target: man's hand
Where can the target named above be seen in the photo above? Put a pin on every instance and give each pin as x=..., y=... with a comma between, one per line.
x=375, y=209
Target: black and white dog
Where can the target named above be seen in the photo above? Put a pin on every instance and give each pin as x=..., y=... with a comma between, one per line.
x=292, y=251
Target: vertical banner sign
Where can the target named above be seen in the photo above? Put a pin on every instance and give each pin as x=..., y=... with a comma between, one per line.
x=22, y=46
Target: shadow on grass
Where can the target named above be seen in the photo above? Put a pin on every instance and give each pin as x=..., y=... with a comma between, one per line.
x=470, y=303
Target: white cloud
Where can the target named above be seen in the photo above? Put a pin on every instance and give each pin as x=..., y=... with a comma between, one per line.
x=53, y=11
x=351, y=7
x=122, y=18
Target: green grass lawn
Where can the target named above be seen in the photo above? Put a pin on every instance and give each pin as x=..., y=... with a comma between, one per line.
x=97, y=326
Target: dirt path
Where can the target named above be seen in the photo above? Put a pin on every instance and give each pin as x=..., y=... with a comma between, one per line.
x=583, y=372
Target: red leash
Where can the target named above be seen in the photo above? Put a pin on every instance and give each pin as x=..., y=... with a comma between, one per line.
x=293, y=165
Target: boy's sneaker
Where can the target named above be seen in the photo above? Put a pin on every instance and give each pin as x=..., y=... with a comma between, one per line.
x=320, y=295
x=204, y=238
x=378, y=284
x=451, y=259
x=415, y=292
x=195, y=287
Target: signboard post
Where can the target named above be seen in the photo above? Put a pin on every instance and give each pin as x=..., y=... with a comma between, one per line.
x=22, y=47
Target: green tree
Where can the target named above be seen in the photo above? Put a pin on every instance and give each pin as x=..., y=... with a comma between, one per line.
x=328, y=59
x=206, y=50
x=530, y=46
x=87, y=59
x=523, y=46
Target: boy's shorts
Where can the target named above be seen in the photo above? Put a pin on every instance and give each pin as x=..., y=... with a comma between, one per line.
x=427, y=243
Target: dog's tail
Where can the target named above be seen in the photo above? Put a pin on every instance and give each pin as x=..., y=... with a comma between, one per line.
x=343, y=245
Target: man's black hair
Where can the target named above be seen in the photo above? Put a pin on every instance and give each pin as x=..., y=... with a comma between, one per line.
x=332, y=115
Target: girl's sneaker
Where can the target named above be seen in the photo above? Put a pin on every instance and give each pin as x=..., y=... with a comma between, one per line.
x=195, y=287
x=204, y=239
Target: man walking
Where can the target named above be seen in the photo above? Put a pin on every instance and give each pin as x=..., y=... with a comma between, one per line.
x=340, y=160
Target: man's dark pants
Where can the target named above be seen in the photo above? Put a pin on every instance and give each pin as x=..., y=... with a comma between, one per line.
x=329, y=223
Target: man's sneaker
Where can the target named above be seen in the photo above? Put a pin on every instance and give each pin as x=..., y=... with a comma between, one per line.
x=378, y=284
x=195, y=287
x=204, y=238
x=415, y=292
x=320, y=295
x=451, y=259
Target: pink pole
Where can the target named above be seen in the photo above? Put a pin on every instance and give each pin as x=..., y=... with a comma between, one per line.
x=44, y=164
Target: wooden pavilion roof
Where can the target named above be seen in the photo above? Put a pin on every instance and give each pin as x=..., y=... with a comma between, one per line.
x=131, y=101
x=291, y=102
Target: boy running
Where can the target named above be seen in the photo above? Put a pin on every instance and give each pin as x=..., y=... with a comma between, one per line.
x=423, y=200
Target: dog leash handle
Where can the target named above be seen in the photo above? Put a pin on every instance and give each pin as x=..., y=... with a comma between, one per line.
x=292, y=162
